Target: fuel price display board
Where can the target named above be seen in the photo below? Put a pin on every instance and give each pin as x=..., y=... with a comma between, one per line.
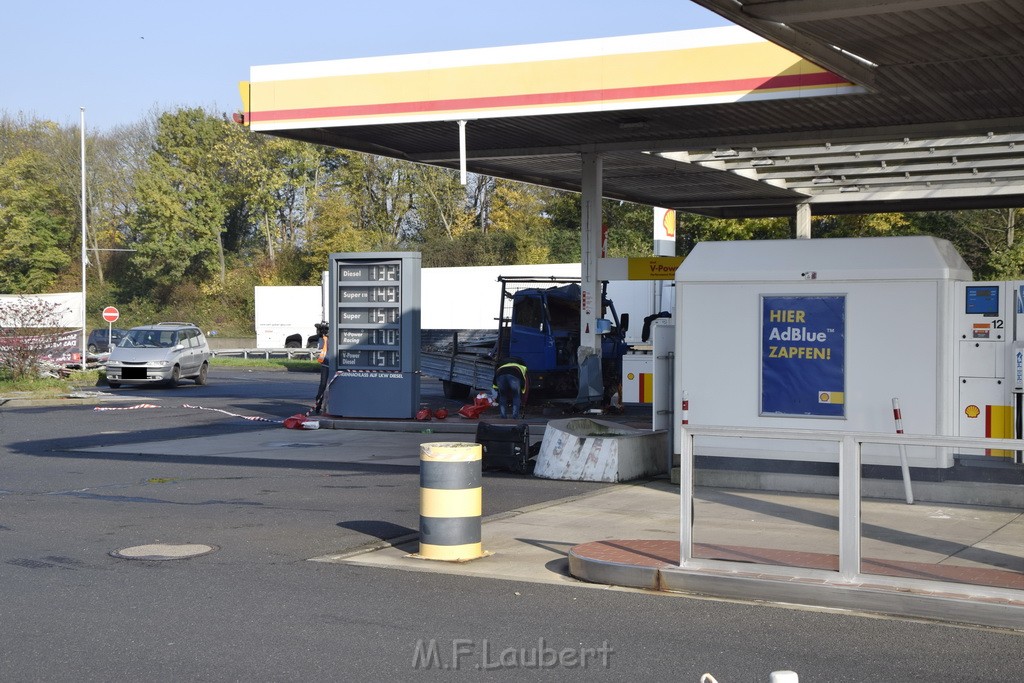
x=375, y=309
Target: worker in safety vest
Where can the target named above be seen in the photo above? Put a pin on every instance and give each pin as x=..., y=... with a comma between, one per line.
x=325, y=366
x=512, y=387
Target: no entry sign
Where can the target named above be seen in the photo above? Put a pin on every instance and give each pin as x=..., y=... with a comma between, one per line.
x=111, y=314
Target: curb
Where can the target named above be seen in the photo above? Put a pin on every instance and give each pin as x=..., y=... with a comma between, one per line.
x=56, y=401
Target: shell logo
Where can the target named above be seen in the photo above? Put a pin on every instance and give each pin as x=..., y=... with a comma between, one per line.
x=823, y=397
x=668, y=223
x=972, y=411
x=630, y=376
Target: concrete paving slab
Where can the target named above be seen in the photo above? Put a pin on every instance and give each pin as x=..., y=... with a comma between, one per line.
x=532, y=544
x=807, y=523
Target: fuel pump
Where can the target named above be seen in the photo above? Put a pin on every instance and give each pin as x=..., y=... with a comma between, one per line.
x=989, y=354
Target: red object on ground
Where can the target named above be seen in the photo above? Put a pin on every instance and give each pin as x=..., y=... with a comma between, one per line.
x=474, y=411
x=295, y=421
x=423, y=414
x=441, y=413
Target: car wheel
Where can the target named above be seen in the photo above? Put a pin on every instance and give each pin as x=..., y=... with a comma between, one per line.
x=91, y=348
x=201, y=377
x=113, y=385
x=175, y=377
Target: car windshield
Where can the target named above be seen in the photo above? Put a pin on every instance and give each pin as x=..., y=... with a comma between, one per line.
x=149, y=338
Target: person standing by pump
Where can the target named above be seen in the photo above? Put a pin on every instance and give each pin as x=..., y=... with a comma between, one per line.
x=512, y=386
x=325, y=366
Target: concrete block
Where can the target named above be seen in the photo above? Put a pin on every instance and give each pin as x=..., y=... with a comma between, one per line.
x=584, y=449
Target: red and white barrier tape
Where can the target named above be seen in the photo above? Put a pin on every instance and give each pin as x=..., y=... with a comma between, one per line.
x=253, y=418
x=136, y=407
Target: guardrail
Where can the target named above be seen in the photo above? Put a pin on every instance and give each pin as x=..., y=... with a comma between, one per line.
x=308, y=354
x=850, y=447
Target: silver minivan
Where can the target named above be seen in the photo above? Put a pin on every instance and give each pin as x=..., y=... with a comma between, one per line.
x=163, y=353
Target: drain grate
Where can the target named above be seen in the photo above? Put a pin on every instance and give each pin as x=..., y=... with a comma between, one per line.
x=164, y=551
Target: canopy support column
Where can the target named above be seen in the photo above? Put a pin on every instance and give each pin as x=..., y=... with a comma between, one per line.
x=589, y=354
x=803, y=221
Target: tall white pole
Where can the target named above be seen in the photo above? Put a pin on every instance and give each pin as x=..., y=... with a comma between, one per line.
x=462, y=153
x=85, y=259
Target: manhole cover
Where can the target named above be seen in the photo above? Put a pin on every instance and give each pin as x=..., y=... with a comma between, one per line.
x=164, y=551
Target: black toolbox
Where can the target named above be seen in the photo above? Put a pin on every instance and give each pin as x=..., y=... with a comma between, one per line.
x=505, y=446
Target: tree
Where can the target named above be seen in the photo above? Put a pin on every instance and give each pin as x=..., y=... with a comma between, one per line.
x=181, y=206
x=862, y=225
x=277, y=186
x=112, y=163
x=334, y=229
x=985, y=238
x=382, y=194
x=517, y=215
x=36, y=225
x=443, y=206
x=629, y=228
x=693, y=228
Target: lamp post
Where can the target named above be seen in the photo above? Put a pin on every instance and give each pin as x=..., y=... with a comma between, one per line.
x=85, y=259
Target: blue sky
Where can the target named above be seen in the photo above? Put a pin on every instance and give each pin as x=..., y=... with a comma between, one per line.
x=123, y=59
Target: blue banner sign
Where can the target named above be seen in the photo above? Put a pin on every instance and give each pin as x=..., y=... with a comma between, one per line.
x=803, y=356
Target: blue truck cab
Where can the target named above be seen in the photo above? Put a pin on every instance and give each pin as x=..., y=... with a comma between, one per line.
x=541, y=325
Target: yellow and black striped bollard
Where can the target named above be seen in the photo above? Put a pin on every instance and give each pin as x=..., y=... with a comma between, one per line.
x=451, y=477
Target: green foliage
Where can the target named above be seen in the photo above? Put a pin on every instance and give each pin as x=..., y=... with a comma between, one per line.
x=37, y=387
x=629, y=228
x=985, y=239
x=517, y=225
x=1005, y=264
x=36, y=225
x=382, y=195
x=691, y=229
x=863, y=225
x=182, y=206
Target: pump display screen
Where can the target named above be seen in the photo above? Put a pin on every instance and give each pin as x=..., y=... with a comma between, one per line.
x=369, y=320
x=982, y=300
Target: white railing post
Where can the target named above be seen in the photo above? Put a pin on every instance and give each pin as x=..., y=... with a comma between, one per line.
x=849, y=508
x=685, y=497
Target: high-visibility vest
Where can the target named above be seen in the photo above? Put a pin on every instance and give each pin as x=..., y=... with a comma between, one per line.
x=322, y=355
x=521, y=368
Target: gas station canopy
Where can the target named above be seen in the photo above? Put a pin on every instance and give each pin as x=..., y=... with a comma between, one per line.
x=857, y=106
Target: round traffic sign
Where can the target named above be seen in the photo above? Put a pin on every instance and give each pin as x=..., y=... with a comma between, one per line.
x=111, y=314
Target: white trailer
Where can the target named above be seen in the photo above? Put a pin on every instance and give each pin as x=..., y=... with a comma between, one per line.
x=282, y=313
x=66, y=310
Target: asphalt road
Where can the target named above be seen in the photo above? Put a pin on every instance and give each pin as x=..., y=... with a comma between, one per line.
x=257, y=610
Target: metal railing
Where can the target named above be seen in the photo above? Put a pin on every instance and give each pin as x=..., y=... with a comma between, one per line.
x=309, y=354
x=850, y=447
